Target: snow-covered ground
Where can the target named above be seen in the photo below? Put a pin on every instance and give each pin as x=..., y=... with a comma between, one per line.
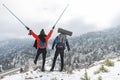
x=113, y=74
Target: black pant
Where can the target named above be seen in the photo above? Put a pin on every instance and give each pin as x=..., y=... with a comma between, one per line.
x=57, y=52
x=43, y=51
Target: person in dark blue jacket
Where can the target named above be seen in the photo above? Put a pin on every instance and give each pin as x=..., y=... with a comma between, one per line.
x=61, y=42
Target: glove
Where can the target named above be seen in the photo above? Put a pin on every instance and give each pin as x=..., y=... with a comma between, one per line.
x=53, y=27
x=29, y=32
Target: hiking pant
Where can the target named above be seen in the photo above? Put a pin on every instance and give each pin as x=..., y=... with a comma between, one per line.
x=43, y=51
x=57, y=52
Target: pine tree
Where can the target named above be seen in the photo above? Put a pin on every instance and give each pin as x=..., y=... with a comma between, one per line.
x=118, y=59
x=54, y=78
x=101, y=69
x=85, y=76
x=99, y=78
x=108, y=62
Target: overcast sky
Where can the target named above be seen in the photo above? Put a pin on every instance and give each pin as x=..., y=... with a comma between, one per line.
x=80, y=17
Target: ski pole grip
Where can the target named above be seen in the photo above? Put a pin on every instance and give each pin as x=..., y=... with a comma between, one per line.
x=53, y=27
x=27, y=28
x=29, y=32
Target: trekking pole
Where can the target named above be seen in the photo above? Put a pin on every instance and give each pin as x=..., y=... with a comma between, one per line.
x=16, y=17
x=61, y=15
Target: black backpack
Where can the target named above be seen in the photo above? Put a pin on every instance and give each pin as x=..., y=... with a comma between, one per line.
x=35, y=44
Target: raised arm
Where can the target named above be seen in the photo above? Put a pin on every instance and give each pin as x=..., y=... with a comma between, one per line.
x=34, y=35
x=49, y=34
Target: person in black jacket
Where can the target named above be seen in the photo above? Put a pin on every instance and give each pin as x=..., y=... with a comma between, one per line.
x=61, y=42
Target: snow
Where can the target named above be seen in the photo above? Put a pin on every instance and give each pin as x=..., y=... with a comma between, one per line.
x=14, y=77
x=113, y=74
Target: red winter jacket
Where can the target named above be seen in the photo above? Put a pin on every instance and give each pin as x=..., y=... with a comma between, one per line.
x=38, y=39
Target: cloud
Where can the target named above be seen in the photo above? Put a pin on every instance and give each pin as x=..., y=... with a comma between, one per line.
x=82, y=16
x=16, y=30
x=78, y=26
x=116, y=21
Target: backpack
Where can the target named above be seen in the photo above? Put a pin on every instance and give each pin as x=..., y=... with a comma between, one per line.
x=35, y=44
x=60, y=41
x=42, y=43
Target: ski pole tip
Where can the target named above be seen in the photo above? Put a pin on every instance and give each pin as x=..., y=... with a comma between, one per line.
x=67, y=5
x=4, y=5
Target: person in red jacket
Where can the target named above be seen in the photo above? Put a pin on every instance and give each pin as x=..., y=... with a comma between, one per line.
x=42, y=44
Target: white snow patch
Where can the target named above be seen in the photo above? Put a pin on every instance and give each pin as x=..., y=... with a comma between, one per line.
x=113, y=74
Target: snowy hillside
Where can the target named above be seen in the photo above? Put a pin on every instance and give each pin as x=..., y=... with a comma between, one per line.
x=16, y=52
x=85, y=49
x=102, y=70
x=95, y=46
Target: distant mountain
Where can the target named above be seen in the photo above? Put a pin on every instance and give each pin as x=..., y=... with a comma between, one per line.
x=16, y=52
x=95, y=46
x=85, y=49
